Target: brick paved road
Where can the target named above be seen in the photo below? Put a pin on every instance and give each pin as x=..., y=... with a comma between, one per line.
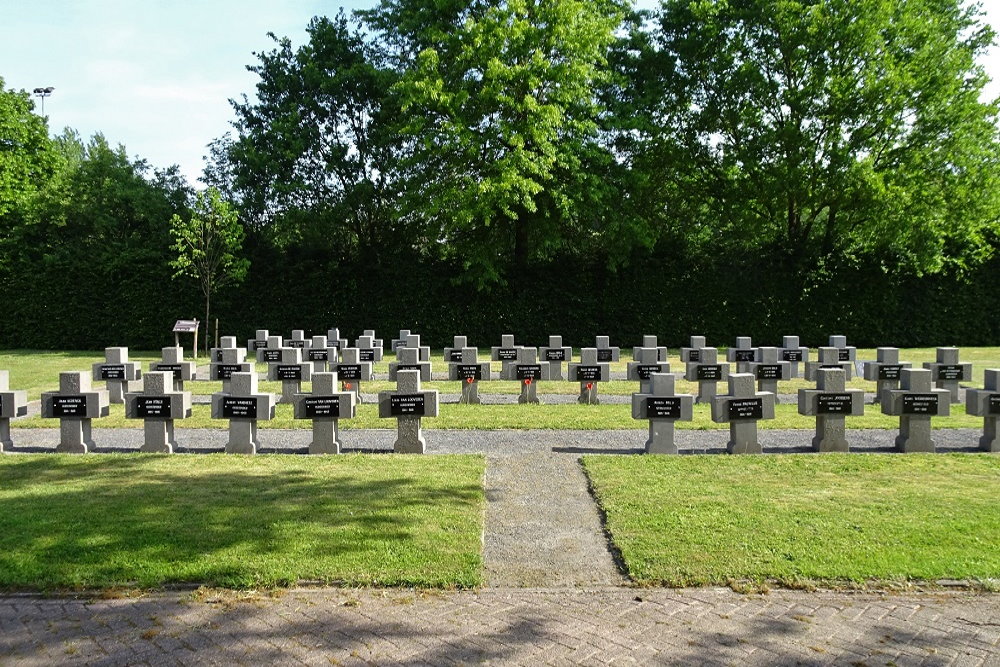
x=322, y=627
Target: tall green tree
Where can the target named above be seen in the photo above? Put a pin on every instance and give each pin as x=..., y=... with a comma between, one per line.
x=207, y=246
x=499, y=101
x=27, y=157
x=311, y=162
x=822, y=127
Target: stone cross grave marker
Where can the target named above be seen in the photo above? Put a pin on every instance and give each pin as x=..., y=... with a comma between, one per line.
x=408, y=404
x=506, y=354
x=692, y=354
x=12, y=404
x=947, y=371
x=408, y=359
x=528, y=370
x=116, y=371
x=662, y=407
x=172, y=361
x=333, y=340
x=397, y=343
x=377, y=342
x=298, y=340
x=469, y=371
x=647, y=362
x=743, y=354
x=272, y=351
x=258, y=342
x=291, y=371
x=242, y=406
x=768, y=370
x=845, y=352
x=454, y=353
x=318, y=354
x=606, y=353
x=707, y=372
x=351, y=371
x=369, y=348
x=915, y=403
x=741, y=408
x=828, y=357
x=589, y=373
x=227, y=342
x=885, y=371
x=75, y=405
x=158, y=405
x=556, y=354
x=424, y=351
x=793, y=353
x=325, y=406
x=232, y=362
x=985, y=403
x=831, y=402
x=647, y=342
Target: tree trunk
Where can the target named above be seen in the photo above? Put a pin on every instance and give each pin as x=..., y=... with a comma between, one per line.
x=208, y=299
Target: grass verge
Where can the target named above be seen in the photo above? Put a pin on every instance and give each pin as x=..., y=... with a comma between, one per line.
x=239, y=522
x=695, y=520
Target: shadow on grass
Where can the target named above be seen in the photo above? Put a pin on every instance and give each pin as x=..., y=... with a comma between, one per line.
x=131, y=520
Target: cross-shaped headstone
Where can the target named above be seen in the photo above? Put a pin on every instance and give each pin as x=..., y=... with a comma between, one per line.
x=506, y=354
x=75, y=405
x=845, y=352
x=985, y=403
x=915, y=403
x=793, y=353
x=172, y=361
x=12, y=404
x=885, y=371
x=318, y=353
x=831, y=402
x=741, y=408
x=298, y=339
x=454, y=353
x=768, y=370
x=397, y=343
x=423, y=351
x=589, y=373
x=232, y=362
x=692, y=353
x=408, y=404
x=707, y=372
x=116, y=371
x=158, y=405
x=469, y=372
x=369, y=349
x=227, y=342
x=259, y=341
x=325, y=406
x=947, y=371
x=828, y=357
x=743, y=354
x=647, y=342
x=243, y=405
x=352, y=371
x=556, y=354
x=647, y=362
x=333, y=340
x=271, y=352
x=291, y=371
x=662, y=407
x=377, y=343
x=408, y=359
x=605, y=352
x=528, y=370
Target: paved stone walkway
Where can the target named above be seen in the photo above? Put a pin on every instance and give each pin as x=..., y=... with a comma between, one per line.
x=526, y=627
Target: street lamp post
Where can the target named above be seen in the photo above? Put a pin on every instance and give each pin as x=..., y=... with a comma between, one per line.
x=42, y=93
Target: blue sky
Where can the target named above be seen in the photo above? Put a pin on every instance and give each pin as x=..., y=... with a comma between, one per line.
x=156, y=75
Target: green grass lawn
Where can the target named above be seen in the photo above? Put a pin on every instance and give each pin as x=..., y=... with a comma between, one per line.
x=832, y=518
x=236, y=521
